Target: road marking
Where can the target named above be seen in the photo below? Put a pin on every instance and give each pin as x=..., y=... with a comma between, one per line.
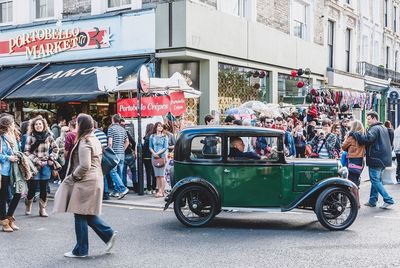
x=134, y=207
x=386, y=217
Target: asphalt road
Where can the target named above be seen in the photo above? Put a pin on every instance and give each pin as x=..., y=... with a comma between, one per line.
x=152, y=238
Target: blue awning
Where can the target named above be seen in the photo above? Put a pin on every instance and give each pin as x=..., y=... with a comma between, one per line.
x=13, y=77
x=64, y=82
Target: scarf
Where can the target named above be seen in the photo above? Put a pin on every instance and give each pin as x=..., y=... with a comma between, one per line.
x=40, y=137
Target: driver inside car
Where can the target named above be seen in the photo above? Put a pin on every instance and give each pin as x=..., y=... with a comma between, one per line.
x=237, y=150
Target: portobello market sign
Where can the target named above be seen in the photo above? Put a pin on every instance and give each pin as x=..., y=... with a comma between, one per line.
x=42, y=43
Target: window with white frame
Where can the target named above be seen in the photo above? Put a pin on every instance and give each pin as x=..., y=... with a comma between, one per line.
x=331, y=32
x=6, y=10
x=365, y=8
x=376, y=10
x=44, y=8
x=239, y=8
x=385, y=13
x=348, y=49
x=119, y=3
x=365, y=48
x=395, y=19
x=299, y=19
x=396, y=60
x=387, y=57
x=376, y=53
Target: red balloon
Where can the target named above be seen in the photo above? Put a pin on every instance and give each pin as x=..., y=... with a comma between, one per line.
x=300, y=84
x=294, y=73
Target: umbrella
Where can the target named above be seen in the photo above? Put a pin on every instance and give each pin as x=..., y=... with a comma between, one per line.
x=240, y=112
x=257, y=106
x=162, y=85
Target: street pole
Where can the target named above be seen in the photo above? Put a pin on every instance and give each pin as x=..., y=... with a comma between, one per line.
x=139, y=144
x=143, y=84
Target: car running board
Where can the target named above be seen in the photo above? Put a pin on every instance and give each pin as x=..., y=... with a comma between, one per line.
x=247, y=209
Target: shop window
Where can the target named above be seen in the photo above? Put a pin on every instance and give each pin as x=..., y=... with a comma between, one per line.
x=191, y=72
x=299, y=22
x=44, y=8
x=288, y=91
x=206, y=147
x=119, y=3
x=237, y=85
x=6, y=10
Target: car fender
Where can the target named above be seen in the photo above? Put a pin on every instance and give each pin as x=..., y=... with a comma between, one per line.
x=191, y=181
x=319, y=187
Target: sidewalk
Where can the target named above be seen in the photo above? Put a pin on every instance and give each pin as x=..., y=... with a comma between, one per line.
x=131, y=199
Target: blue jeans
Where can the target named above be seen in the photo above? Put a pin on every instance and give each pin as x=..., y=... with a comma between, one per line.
x=116, y=175
x=130, y=162
x=43, y=174
x=81, y=230
x=375, y=175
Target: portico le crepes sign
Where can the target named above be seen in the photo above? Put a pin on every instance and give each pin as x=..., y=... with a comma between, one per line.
x=41, y=43
x=153, y=106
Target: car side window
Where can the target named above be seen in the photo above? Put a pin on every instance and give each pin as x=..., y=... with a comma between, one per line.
x=206, y=147
x=262, y=148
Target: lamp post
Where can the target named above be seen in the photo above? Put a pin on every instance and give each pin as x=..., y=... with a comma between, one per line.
x=143, y=85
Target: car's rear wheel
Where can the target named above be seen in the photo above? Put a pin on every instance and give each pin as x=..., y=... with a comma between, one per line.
x=336, y=208
x=195, y=206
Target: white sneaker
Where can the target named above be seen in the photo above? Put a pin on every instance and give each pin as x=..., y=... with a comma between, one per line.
x=385, y=205
x=110, y=244
x=122, y=195
x=72, y=255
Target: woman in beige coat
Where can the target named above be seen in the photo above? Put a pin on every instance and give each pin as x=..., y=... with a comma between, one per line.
x=81, y=192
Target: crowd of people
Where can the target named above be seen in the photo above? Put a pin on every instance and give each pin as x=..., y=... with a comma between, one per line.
x=34, y=153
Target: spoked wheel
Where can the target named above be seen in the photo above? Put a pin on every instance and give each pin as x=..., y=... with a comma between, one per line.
x=195, y=206
x=336, y=208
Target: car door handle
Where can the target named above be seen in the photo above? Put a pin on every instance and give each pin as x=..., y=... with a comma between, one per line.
x=316, y=169
x=227, y=170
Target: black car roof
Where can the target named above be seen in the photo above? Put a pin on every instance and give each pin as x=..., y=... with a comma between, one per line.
x=243, y=130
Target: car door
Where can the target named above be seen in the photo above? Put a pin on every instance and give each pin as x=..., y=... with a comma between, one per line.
x=251, y=183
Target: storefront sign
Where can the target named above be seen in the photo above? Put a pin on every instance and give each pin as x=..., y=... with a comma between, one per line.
x=41, y=43
x=153, y=106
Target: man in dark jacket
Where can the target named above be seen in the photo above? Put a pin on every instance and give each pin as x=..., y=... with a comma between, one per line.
x=379, y=156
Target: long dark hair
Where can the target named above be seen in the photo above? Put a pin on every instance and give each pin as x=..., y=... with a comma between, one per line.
x=85, y=125
x=149, y=130
x=156, y=126
x=5, y=124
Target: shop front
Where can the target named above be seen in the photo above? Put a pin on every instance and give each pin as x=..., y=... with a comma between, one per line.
x=52, y=70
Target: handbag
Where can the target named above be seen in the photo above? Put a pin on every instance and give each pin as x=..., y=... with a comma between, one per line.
x=109, y=160
x=356, y=169
x=158, y=162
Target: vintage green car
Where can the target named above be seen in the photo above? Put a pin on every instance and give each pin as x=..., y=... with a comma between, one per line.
x=244, y=168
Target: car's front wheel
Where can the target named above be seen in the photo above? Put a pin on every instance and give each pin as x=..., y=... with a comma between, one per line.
x=195, y=206
x=336, y=208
